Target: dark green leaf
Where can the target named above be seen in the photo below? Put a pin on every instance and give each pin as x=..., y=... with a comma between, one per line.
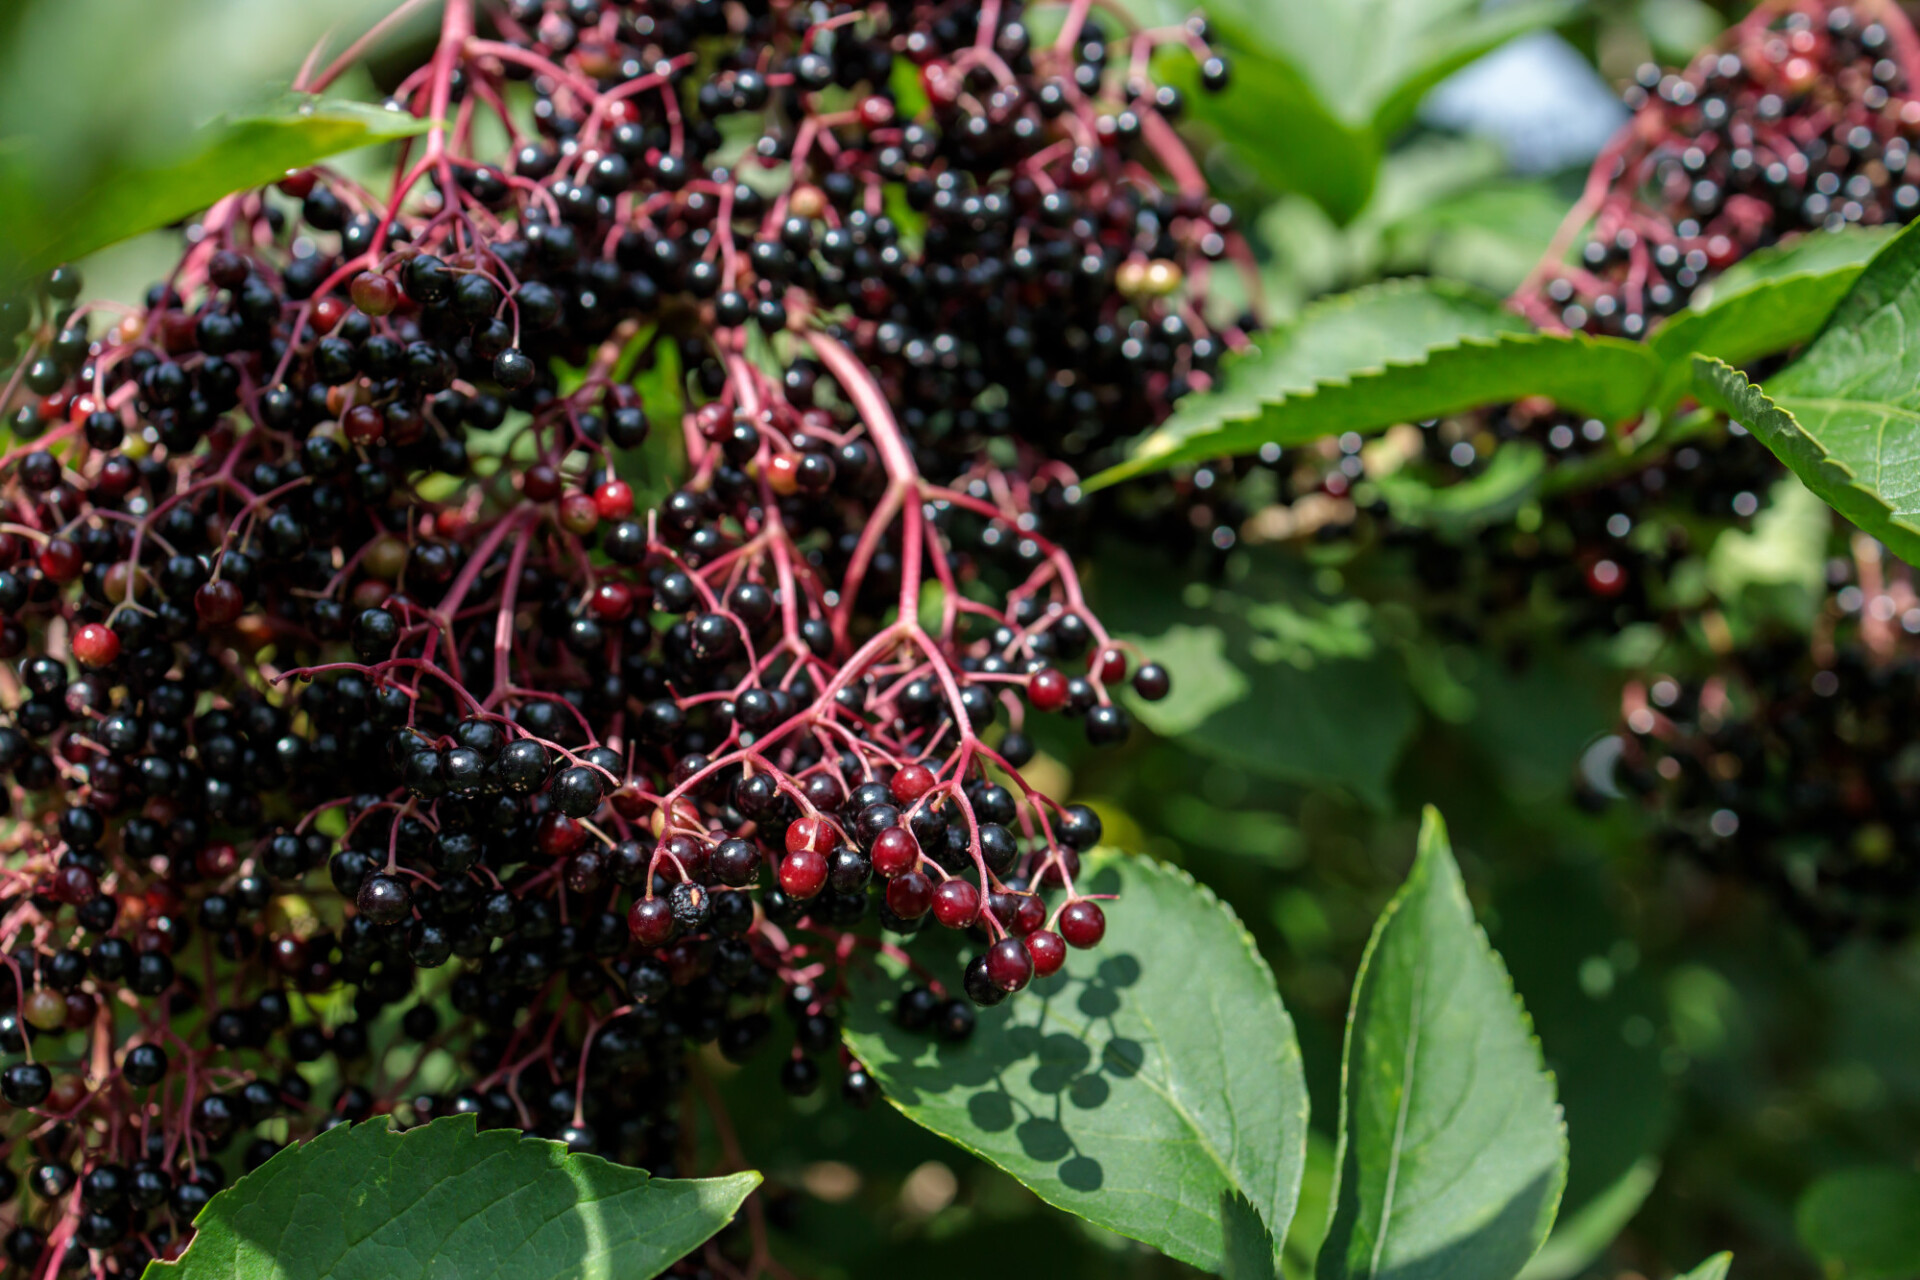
x=1242, y=652
x=1607, y=378
x=1346, y=78
x=1453, y=1154
x=1324, y=157
x=1249, y=1252
x=1768, y=303
x=1864, y=1224
x=1843, y=416
x=230, y=156
x=1493, y=494
x=1122, y=1089
x=363, y=1202
x=1398, y=321
x=1862, y=457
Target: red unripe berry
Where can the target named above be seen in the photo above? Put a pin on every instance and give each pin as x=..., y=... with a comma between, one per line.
x=912, y=782
x=116, y=476
x=1047, y=690
x=558, y=835
x=956, y=904
x=1083, y=924
x=578, y=515
x=364, y=424
x=218, y=603
x=55, y=406
x=1606, y=578
x=1009, y=965
x=895, y=852
x=541, y=483
x=327, y=313
x=910, y=895
x=217, y=860
x=298, y=183
x=803, y=873
x=75, y=885
x=614, y=500
x=96, y=645
x=375, y=294
x=1111, y=666
x=783, y=474
x=1029, y=915
x=60, y=560
x=1049, y=952
x=650, y=921
x=813, y=834
x=611, y=600
x=876, y=111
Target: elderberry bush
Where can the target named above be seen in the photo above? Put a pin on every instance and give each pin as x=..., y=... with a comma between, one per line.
x=326, y=583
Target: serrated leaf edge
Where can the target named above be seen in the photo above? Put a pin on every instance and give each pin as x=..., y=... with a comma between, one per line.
x=1297, y=1157
x=1727, y=388
x=1430, y=819
x=1148, y=459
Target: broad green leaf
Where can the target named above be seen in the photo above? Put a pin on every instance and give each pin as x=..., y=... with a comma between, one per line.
x=230, y=156
x=1862, y=457
x=1714, y=1268
x=1863, y=1224
x=1248, y=1253
x=1346, y=78
x=1453, y=1153
x=1494, y=494
x=1844, y=415
x=1607, y=378
x=364, y=1202
x=1330, y=160
x=1777, y=300
x=1398, y=321
x=1122, y=1089
x=1268, y=679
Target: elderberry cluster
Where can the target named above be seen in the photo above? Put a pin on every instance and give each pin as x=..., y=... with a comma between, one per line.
x=359, y=695
x=1801, y=120
x=1787, y=768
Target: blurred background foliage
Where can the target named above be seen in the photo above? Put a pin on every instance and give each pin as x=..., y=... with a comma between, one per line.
x=1712, y=1068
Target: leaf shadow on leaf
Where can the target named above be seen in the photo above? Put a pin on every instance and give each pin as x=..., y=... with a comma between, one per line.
x=1071, y=1070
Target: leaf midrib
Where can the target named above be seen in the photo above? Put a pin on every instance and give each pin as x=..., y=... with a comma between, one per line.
x=1398, y=1149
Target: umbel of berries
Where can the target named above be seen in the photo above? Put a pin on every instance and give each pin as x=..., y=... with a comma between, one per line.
x=348, y=669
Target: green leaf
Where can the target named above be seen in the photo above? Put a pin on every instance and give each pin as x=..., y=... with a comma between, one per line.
x=1453, y=1154
x=1121, y=1089
x=1494, y=494
x=1842, y=452
x=1248, y=1252
x=1768, y=303
x=1843, y=416
x=1324, y=157
x=1242, y=652
x=1714, y=1268
x=363, y=1202
x=1400, y=320
x=1606, y=378
x=231, y=156
x=1345, y=78
x=1863, y=1224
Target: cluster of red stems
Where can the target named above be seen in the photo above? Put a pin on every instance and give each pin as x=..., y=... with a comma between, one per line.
x=349, y=676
